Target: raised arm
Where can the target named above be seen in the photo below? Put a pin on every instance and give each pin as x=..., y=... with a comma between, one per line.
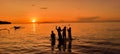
x=56, y=27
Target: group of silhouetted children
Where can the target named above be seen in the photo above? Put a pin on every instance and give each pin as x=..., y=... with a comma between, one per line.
x=62, y=39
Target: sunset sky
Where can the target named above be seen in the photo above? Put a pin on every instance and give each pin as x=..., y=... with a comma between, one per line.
x=19, y=11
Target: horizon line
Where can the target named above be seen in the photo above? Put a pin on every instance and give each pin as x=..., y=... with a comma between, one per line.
x=68, y=22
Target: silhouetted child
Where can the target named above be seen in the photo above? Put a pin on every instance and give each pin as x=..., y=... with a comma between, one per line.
x=69, y=33
x=53, y=42
x=59, y=32
x=64, y=32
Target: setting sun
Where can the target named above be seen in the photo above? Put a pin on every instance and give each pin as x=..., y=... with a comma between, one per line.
x=33, y=20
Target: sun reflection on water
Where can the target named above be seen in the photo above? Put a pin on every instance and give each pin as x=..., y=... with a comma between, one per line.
x=34, y=28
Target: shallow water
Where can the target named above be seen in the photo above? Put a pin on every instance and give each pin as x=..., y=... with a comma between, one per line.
x=89, y=38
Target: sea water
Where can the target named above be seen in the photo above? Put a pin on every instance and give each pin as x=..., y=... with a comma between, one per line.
x=89, y=38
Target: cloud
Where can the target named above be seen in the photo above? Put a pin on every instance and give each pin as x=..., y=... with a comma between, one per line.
x=88, y=18
x=33, y=5
x=43, y=8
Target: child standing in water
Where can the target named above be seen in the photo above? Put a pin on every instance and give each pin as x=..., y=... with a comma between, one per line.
x=69, y=33
x=60, y=39
x=53, y=40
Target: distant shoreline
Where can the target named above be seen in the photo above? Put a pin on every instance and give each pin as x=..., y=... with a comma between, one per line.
x=5, y=22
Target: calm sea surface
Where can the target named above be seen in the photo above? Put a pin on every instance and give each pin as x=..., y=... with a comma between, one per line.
x=89, y=38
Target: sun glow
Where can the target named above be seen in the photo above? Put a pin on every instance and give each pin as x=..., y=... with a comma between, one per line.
x=33, y=20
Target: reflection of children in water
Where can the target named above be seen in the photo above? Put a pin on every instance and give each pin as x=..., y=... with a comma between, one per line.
x=69, y=45
x=64, y=45
x=52, y=40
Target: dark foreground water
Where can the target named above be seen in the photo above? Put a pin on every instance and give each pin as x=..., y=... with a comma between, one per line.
x=89, y=38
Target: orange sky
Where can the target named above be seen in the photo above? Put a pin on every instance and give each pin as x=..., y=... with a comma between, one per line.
x=58, y=10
